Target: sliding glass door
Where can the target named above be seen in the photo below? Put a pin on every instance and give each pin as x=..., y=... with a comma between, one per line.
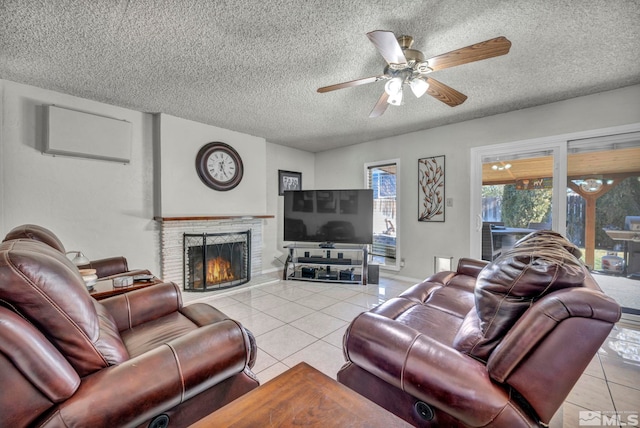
x=514, y=191
x=585, y=187
x=603, y=190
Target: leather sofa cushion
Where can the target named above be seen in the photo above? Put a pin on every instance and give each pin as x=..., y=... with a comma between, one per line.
x=430, y=308
x=152, y=334
x=540, y=263
x=47, y=289
x=37, y=233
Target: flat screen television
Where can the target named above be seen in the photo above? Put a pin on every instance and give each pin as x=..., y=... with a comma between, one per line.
x=329, y=216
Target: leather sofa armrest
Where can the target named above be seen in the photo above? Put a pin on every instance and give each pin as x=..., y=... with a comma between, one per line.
x=471, y=267
x=466, y=266
x=146, y=304
x=135, y=391
x=428, y=370
x=107, y=267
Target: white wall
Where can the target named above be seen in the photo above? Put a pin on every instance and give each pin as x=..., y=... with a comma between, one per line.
x=182, y=193
x=101, y=208
x=421, y=241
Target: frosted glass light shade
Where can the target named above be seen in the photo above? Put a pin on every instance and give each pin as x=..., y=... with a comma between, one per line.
x=419, y=87
x=393, y=86
x=395, y=99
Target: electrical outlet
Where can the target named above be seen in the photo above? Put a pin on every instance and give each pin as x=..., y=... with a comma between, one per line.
x=401, y=262
x=449, y=202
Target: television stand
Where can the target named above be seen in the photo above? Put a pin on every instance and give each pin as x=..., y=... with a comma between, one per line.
x=339, y=263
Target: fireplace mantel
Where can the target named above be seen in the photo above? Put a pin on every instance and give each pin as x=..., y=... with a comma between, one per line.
x=217, y=217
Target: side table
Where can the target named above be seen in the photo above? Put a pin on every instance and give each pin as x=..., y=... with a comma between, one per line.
x=104, y=288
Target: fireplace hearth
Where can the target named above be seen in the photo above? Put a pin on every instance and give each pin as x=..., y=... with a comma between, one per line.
x=214, y=261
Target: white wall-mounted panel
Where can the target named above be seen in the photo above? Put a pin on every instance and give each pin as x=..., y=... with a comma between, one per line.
x=75, y=133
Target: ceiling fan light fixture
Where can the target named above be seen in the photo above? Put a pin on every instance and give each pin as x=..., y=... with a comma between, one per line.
x=395, y=99
x=423, y=67
x=405, y=64
x=419, y=86
x=393, y=87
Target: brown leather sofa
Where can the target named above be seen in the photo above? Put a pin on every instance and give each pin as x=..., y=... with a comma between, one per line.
x=105, y=268
x=134, y=360
x=498, y=344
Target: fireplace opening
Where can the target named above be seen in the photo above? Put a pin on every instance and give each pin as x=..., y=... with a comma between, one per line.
x=215, y=261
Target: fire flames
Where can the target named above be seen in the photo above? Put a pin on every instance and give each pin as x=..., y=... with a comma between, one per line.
x=219, y=270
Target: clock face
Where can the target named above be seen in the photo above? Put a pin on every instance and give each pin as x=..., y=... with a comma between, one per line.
x=219, y=166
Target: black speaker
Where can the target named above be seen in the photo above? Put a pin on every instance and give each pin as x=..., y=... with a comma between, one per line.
x=373, y=274
x=306, y=254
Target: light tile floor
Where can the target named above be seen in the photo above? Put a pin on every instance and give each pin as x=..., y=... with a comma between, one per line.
x=296, y=321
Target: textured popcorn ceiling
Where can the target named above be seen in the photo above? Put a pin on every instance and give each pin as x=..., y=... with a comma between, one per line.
x=253, y=66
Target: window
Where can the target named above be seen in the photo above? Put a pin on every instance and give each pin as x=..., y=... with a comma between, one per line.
x=517, y=193
x=382, y=177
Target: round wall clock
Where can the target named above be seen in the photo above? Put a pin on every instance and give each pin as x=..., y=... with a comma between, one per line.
x=219, y=166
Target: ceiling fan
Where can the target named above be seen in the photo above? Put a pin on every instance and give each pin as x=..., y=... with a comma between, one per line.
x=407, y=66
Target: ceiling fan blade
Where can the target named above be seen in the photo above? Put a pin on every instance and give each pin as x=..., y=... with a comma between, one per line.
x=388, y=46
x=483, y=50
x=381, y=106
x=445, y=93
x=350, y=84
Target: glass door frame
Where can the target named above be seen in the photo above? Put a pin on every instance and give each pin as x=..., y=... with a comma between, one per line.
x=398, y=263
x=558, y=146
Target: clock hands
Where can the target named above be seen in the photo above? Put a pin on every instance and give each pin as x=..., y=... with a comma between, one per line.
x=224, y=168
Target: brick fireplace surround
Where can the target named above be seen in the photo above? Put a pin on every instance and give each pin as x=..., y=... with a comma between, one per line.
x=172, y=230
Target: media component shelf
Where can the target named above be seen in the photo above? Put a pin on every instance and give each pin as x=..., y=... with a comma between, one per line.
x=340, y=263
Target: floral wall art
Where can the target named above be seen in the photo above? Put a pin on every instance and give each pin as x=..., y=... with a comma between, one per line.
x=431, y=200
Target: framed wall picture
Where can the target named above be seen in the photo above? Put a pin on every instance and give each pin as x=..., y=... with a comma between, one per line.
x=431, y=200
x=289, y=180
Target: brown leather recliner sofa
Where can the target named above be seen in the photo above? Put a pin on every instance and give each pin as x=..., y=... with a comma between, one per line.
x=497, y=344
x=105, y=268
x=140, y=358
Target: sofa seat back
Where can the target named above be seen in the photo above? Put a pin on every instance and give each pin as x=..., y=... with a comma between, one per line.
x=41, y=284
x=106, y=267
x=36, y=233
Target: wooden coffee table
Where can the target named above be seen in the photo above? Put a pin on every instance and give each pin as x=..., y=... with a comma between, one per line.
x=301, y=396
